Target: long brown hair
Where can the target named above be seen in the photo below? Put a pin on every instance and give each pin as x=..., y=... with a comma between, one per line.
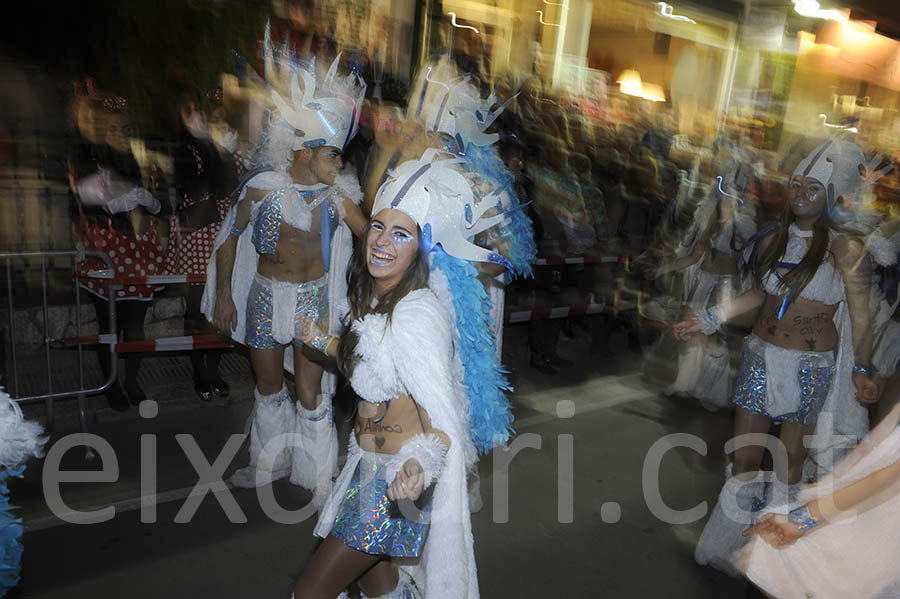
x=795, y=279
x=361, y=294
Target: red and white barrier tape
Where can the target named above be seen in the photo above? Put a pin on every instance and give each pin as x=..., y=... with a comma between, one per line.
x=186, y=343
x=109, y=275
x=555, y=260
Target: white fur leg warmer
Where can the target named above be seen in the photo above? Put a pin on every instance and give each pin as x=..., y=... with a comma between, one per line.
x=739, y=503
x=314, y=449
x=273, y=422
x=406, y=589
x=427, y=449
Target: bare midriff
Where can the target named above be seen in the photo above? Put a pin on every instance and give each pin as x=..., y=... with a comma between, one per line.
x=298, y=254
x=385, y=428
x=806, y=325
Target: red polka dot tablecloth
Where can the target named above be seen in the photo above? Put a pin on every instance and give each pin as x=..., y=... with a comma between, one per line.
x=131, y=256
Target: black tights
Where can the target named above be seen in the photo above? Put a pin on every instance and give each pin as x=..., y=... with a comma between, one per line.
x=334, y=566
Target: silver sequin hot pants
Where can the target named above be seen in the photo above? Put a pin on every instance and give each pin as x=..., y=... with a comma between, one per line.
x=783, y=384
x=369, y=522
x=311, y=301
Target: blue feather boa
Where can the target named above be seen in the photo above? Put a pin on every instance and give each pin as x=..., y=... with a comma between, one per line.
x=486, y=162
x=490, y=417
x=10, y=535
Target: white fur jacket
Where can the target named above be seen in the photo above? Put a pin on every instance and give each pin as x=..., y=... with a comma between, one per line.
x=414, y=354
x=246, y=260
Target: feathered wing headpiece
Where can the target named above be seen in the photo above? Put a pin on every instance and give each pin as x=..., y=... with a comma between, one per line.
x=447, y=102
x=322, y=113
x=440, y=199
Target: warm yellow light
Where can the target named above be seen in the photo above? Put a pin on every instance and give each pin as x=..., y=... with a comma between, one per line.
x=807, y=41
x=630, y=83
x=810, y=8
x=653, y=92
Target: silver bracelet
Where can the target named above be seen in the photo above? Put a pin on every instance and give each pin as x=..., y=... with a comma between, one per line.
x=320, y=342
x=802, y=518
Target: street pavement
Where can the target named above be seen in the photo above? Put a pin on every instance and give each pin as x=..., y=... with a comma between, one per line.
x=599, y=540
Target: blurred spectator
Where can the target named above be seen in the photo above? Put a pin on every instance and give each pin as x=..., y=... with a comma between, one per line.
x=203, y=181
x=112, y=215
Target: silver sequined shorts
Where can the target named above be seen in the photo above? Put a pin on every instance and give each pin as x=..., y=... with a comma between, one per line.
x=312, y=302
x=814, y=373
x=370, y=522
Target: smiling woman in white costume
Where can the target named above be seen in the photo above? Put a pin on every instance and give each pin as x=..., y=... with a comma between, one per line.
x=402, y=493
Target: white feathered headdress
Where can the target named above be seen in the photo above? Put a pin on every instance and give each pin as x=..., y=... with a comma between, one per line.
x=440, y=199
x=322, y=113
x=449, y=103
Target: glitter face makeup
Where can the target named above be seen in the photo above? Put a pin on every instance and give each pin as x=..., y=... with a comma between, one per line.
x=807, y=196
x=391, y=247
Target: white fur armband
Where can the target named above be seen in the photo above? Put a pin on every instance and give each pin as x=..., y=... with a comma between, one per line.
x=427, y=449
x=882, y=250
x=710, y=320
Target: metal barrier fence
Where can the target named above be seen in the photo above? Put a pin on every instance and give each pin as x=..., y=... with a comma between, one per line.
x=81, y=392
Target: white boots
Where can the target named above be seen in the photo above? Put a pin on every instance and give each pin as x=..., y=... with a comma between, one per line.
x=406, y=589
x=314, y=451
x=291, y=441
x=273, y=419
x=738, y=503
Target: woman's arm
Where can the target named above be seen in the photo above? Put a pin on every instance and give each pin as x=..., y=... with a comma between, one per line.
x=855, y=266
x=865, y=494
x=316, y=338
x=681, y=263
x=420, y=461
x=719, y=315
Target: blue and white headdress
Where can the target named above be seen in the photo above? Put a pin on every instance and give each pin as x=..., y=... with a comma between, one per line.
x=322, y=113
x=446, y=102
x=440, y=199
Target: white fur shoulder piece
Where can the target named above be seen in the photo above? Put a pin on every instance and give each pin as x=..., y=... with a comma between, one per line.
x=270, y=180
x=19, y=438
x=882, y=250
x=374, y=376
x=348, y=184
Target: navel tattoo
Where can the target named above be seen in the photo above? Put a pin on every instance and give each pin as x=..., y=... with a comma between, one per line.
x=379, y=441
x=811, y=344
